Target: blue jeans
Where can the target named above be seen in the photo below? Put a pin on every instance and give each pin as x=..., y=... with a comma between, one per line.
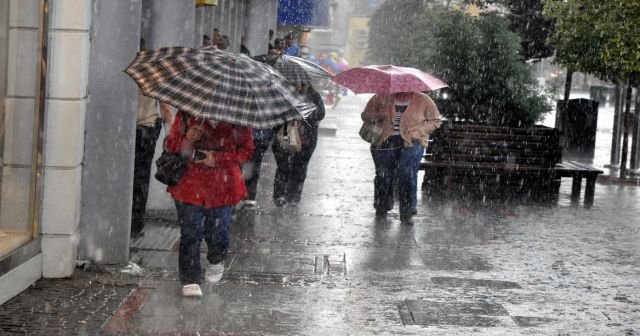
x=396, y=165
x=197, y=223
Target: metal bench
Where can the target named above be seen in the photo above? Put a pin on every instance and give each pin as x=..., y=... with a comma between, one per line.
x=577, y=171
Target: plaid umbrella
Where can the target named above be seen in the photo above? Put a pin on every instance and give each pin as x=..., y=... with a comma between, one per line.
x=213, y=84
x=298, y=70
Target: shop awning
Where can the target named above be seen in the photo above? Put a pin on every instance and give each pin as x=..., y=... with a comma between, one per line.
x=307, y=13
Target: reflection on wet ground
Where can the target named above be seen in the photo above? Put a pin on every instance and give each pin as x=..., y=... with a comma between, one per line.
x=328, y=266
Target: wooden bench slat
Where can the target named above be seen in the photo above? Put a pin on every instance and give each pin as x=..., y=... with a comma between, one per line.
x=539, y=130
x=501, y=137
x=483, y=165
x=494, y=159
x=488, y=144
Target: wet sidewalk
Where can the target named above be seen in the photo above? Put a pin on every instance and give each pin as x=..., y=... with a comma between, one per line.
x=328, y=267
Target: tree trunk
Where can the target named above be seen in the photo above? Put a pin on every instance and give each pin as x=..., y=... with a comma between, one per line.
x=563, y=108
x=567, y=87
x=625, y=131
x=617, y=129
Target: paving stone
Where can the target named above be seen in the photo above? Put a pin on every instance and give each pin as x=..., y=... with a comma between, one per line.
x=77, y=306
x=460, y=282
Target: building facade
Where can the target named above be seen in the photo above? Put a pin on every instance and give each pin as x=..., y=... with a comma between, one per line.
x=67, y=121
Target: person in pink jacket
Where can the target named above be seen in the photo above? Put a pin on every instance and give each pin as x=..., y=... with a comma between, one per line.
x=406, y=119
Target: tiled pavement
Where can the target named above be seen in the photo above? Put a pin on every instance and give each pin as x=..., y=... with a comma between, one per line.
x=328, y=267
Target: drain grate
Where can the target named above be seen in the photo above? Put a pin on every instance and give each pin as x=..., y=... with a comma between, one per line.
x=330, y=265
x=288, y=264
x=531, y=321
x=467, y=314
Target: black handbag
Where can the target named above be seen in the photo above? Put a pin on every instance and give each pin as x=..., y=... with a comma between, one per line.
x=170, y=167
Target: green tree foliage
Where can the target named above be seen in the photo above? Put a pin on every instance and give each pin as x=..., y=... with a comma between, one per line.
x=391, y=27
x=578, y=44
x=488, y=81
x=526, y=18
x=597, y=37
x=477, y=57
x=602, y=38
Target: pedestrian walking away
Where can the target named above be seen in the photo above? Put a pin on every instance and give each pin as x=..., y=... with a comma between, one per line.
x=291, y=47
x=403, y=122
x=148, y=124
x=291, y=170
x=205, y=195
x=270, y=46
x=262, y=138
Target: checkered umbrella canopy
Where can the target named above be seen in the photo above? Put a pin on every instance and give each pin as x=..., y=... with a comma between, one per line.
x=298, y=70
x=214, y=84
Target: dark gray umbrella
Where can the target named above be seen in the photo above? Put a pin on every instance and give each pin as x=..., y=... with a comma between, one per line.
x=298, y=70
x=218, y=85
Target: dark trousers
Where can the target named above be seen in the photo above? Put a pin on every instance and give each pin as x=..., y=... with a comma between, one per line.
x=253, y=166
x=396, y=165
x=292, y=168
x=197, y=223
x=146, y=138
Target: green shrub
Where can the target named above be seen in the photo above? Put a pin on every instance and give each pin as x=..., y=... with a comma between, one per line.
x=478, y=57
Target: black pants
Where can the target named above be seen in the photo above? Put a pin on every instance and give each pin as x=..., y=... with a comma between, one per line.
x=262, y=145
x=292, y=168
x=146, y=138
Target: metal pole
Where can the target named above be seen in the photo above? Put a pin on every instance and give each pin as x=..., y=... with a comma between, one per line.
x=625, y=128
x=617, y=128
x=37, y=144
x=635, y=148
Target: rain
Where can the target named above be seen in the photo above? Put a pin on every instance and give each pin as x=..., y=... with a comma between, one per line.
x=360, y=167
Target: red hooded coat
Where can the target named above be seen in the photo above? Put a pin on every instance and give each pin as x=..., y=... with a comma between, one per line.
x=203, y=185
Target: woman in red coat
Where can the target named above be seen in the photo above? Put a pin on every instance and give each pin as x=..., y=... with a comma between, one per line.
x=211, y=186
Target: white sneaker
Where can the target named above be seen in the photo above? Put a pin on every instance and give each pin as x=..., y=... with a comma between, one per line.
x=214, y=272
x=192, y=290
x=249, y=204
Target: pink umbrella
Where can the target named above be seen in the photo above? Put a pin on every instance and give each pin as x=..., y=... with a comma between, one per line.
x=387, y=79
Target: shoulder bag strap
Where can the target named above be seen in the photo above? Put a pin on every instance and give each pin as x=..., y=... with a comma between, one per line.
x=185, y=121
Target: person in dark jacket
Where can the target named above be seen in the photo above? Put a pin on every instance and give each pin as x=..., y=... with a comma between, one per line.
x=262, y=140
x=291, y=170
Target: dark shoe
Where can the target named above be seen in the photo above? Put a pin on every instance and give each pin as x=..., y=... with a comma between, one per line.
x=280, y=201
x=406, y=219
x=381, y=213
x=137, y=235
